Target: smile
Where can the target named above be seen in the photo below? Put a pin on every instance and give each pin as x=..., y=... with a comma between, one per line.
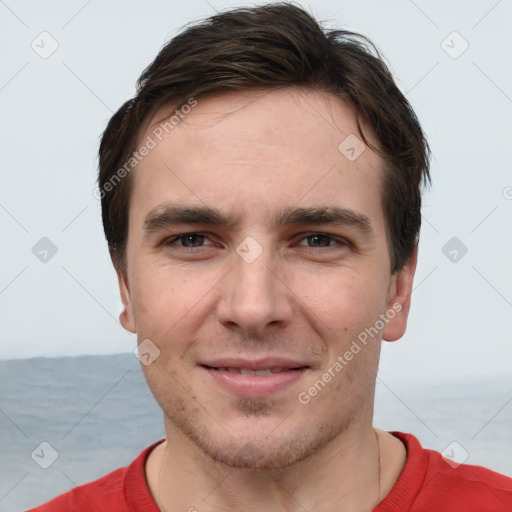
x=248, y=371
x=251, y=383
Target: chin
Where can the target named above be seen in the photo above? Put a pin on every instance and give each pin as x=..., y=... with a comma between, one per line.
x=274, y=448
x=253, y=455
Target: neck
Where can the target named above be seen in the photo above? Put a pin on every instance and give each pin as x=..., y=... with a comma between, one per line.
x=347, y=477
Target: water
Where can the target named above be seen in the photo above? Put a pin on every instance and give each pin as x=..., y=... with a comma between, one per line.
x=98, y=414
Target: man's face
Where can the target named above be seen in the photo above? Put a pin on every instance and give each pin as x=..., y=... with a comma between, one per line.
x=285, y=257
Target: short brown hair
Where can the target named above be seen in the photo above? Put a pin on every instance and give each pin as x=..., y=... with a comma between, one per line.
x=273, y=46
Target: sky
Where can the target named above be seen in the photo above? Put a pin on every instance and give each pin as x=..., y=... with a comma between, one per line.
x=68, y=66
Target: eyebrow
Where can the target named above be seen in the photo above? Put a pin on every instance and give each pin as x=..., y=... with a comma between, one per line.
x=171, y=215
x=331, y=215
x=167, y=216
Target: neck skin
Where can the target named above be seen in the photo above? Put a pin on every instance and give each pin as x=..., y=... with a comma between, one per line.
x=344, y=475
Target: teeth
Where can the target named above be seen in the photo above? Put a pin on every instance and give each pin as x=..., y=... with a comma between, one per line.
x=245, y=371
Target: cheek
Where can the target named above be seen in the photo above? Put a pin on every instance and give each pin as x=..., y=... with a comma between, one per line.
x=345, y=300
x=166, y=300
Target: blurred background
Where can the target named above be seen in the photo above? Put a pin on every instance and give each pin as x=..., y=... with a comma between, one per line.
x=67, y=373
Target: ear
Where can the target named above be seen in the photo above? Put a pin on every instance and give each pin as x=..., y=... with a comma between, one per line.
x=126, y=316
x=399, y=299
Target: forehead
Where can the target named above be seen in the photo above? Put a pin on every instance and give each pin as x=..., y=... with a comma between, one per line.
x=253, y=150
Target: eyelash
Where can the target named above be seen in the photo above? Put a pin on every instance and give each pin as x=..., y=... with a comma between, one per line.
x=340, y=241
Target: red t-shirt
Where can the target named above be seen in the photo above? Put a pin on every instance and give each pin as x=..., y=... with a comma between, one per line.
x=427, y=483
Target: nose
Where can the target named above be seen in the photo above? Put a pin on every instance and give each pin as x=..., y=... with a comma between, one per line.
x=255, y=297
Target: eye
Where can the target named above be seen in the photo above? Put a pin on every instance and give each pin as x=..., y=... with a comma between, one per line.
x=189, y=240
x=322, y=240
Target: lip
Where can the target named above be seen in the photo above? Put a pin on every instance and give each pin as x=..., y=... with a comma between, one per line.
x=253, y=364
x=255, y=386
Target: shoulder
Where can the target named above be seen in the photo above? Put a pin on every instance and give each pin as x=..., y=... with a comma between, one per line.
x=121, y=490
x=431, y=482
x=101, y=492
x=471, y=485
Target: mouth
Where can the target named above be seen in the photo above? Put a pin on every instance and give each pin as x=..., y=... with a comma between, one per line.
x=255, y=379
x=249, y=371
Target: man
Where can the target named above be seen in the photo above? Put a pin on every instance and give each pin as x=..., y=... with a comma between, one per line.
x=261, y=201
